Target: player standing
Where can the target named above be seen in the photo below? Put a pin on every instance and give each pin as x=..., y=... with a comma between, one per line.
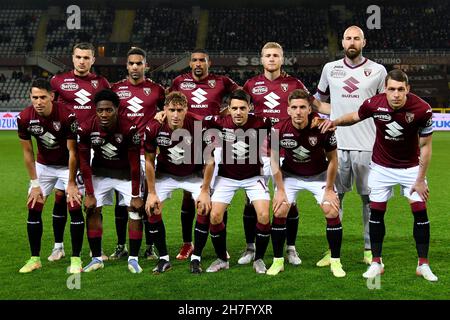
x=54, y=127
x=269, y=92
x=74, y=89
x=205, y=93
x=140, y=98
x=401, y=155
x=348, y=82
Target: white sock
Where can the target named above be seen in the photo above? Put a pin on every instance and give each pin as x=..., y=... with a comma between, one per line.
x=166, y=257
x=131, y=257
x=59, y=245
x=290, y=248
x=194, y=257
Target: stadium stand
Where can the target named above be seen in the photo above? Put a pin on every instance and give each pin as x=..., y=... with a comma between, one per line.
x=164, y=29
x=244, y=29
x=19, y=28
x=96, y=28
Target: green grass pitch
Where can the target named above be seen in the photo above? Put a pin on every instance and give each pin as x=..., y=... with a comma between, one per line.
x=239, y=282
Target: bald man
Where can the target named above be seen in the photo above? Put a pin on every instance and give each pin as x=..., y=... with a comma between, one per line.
x=348, y=82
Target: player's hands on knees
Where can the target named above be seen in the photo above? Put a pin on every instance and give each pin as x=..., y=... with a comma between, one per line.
x=34, y=196
x=160, y=116
x=280, y=204
x=203, y=203
x=153, y=204
x=73, y=195
x=331, y=198
x=90, y=202
x=326, y=125
x=136, y=203
x=422, y=190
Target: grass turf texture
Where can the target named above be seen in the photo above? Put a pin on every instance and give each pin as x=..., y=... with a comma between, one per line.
x=239, y=282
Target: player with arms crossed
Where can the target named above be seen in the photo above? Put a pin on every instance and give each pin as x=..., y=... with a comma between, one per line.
x=401, y=155
x=54, y=127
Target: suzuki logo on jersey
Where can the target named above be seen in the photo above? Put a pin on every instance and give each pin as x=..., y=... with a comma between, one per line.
x=271, y=101
x=199, y=95
x=350, y=85
x=49, y=141
x=109, y=151
x=176, y=155
x=82, y=99
x=240, y=149
x=301, y=154
x=394, y=130
x=135, y=106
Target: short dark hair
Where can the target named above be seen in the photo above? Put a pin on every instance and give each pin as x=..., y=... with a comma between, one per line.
x=108, y=95
x=41, y=83
x=198, y=50
x=138, y=51
x=397, y=75
x=84, y=46
x=299, y=94
x=239, y=94
x=176, y=98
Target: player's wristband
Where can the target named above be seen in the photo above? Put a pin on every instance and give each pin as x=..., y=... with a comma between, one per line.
x=35, y=183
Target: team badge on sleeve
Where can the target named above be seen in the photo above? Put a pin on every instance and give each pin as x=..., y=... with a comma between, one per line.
x=332, y=140
x=74, y=126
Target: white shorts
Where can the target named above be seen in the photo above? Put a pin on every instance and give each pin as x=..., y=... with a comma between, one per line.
x=314, y=184
x=49, y=175
x=382, y=181
x=267, y=169
x=353, y=166
x=165, y=184
x=217, y=159
x=104, y=188
x=225, y=188
x=79, y=179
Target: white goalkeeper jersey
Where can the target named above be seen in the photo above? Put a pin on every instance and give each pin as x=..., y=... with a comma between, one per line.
x=348, y=87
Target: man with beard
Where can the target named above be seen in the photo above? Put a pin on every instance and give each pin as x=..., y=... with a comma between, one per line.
x=140, y=98
x=348, y=82
x=205, y=93
x=74, y=89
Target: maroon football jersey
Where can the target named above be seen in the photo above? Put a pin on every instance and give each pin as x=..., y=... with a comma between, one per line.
x=139, y=103
x=116, y=154
x=175, y=158
x=241, y=146
x=397, y=131
x=270, y=98
x=78, y=92
x=51, y=133
x=305, y=149
x=204, y=96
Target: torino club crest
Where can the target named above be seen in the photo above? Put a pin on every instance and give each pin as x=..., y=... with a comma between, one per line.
x=312, y=141
x=409, y=117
